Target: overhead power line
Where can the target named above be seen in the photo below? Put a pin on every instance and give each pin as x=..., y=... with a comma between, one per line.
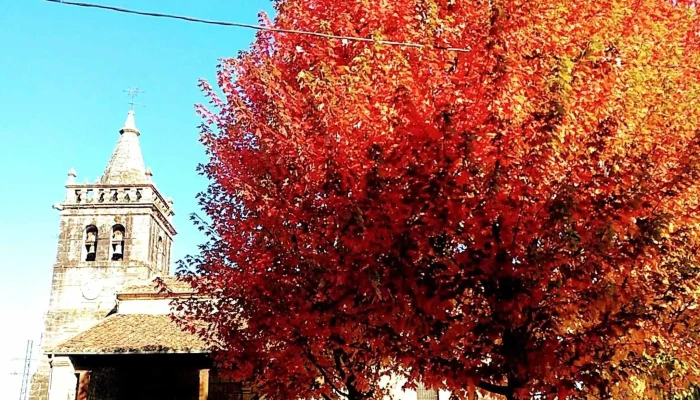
x=289, y=31
x=257, y=27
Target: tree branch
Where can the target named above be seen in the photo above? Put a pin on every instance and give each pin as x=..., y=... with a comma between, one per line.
x=323, y=373
x=496, y=389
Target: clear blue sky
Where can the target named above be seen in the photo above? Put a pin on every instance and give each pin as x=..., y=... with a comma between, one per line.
x=62, y=73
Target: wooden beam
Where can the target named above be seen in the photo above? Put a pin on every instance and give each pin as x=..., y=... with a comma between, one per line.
x=128, y=361
x=83, y=385
x=203, y=384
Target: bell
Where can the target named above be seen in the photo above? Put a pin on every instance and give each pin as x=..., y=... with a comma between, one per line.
x=118, y=249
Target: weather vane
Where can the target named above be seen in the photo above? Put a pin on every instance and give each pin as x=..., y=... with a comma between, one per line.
x=132, y=93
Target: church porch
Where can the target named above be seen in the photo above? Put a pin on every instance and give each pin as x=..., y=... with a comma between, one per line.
x=148, y=376
x=137, y=356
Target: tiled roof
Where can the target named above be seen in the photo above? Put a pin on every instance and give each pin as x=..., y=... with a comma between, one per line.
x=151, y=287
x=133, y=333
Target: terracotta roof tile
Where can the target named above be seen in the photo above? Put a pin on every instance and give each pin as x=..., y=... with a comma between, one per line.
x=133, y=333
x=173, y=284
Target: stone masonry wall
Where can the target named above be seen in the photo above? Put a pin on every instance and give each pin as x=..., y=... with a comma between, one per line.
x=59, y=325
x=84, y=292
x=221, y=388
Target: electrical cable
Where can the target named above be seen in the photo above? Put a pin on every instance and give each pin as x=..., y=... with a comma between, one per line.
x=256, y=27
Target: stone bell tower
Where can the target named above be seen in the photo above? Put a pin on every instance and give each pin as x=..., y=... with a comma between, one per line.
x=112, y=233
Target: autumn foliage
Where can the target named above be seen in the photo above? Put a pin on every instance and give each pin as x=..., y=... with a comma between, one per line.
x=509, y=208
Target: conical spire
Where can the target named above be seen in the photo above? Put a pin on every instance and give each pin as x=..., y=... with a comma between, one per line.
x=129, y=124
x=126, y=165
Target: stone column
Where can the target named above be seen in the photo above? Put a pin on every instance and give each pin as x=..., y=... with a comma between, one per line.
x=62, y=380
x=203, y=384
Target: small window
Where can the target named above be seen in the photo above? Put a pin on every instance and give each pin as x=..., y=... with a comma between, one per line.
x=117, y=242
x=159, y=254
x=90, y=243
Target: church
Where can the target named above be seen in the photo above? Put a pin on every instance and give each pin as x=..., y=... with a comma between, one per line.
x=108, y=334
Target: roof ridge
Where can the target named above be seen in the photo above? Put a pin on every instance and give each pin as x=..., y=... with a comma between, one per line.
x=173, y=283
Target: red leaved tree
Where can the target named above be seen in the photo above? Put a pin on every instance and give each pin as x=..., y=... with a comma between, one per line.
x=510, y=206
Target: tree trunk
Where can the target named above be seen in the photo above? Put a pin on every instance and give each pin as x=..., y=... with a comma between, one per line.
x=353, y=393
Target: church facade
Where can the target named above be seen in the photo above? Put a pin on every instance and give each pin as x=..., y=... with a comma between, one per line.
x=107, y=333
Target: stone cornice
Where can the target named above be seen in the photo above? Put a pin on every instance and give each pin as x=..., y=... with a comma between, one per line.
x=135, y=196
